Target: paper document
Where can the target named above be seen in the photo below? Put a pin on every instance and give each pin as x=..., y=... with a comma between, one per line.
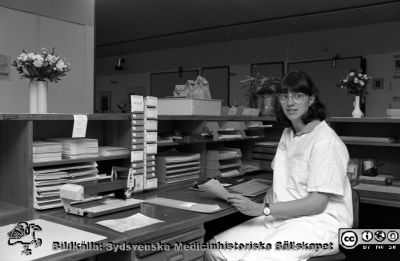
x=80, y=125
x=215, y=188
x=192, y=206
x=109, y=204
x=132, y=222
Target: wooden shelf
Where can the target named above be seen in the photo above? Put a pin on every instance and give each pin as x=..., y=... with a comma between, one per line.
x=176, y=143
x=214, y=118
x=62, y=116
x=380, y=144
x=68, y=161
x=126, y=116
x=382, y=202
x=363, y=120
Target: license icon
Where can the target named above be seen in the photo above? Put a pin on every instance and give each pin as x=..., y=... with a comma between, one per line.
x=392, y=236
x=367, y=236
x=380, y=235
x=349, y=239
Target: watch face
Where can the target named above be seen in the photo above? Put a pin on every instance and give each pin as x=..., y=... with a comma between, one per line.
x=267, y=211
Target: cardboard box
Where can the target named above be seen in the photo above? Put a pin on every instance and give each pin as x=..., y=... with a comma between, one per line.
x=188, y=106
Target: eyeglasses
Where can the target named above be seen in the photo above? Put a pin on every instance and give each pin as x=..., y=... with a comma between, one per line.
x=297, y=97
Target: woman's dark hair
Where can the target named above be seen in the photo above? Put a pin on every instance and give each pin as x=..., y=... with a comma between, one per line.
x=299, y=81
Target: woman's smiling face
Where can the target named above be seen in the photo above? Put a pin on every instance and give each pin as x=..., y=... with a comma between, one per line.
x=295, y=104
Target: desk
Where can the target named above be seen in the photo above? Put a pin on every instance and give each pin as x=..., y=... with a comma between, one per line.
x=176, y=221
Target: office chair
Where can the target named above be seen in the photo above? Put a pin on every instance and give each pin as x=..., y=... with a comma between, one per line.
x=341, y=255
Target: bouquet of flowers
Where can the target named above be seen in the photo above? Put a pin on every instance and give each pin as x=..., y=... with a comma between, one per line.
x=258, y=85
x=41, y=66
x=355, y=82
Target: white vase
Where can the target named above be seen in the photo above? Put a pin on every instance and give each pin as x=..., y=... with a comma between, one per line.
x=33, y=97
x=357, y=113
x=38, y=96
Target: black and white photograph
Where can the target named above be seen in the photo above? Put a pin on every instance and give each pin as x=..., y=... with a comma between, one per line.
x=215, y=130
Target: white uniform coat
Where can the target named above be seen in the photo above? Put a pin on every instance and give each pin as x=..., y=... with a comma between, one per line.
x=314, y=160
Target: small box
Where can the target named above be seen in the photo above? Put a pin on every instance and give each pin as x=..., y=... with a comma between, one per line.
x=135, y=140
x=151, y=148
x=151, y=113
x=188, y=106
x=139, y=183
x=150, y=101
x=137, y=122
x=151, y=136
x=150, y=183
x=151, y=125
x=136, y=155
x=137, y=104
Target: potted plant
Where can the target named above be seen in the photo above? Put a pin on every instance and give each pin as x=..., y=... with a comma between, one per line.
x=355, y=83
x=261, y=92
x=40, y=68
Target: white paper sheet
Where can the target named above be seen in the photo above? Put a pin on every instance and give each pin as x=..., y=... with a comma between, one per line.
x=215, y=188
x=80, y=125
x=132, y=222
x=51, y=232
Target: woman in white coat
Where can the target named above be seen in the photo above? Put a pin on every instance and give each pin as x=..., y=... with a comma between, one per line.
x=311, y=196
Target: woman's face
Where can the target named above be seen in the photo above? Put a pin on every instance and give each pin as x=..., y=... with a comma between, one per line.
x=295, y=104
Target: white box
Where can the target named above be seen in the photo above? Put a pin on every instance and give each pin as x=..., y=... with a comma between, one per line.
x=150, y=148
x=150, y=101
x=137, y=103
x=150, y=125
x=139, y=182
x=136, y=155
x=150, y=183
x=188, y=106
x=151, y=113
x=151, y=136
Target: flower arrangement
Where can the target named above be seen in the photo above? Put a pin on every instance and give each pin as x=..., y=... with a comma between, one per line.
x=355, y=82
x=41, y=66
x=257, y=85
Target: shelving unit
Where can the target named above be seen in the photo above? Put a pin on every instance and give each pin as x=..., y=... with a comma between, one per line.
x=18, y=131
x=192, y=127
x=382, y=152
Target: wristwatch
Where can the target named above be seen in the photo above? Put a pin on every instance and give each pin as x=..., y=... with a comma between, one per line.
x=266, y=210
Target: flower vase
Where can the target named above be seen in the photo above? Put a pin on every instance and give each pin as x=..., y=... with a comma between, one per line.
x=268, y=105
x=357, y=113
x=33, y=97
x=38, y=96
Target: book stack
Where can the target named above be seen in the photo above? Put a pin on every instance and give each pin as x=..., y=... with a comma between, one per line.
x=264, y=153
x=150, y=142
x=43, y=151
x=78, y=148
x=223, y=162
x=48, y=180
x=174, y=166
x=137, y=142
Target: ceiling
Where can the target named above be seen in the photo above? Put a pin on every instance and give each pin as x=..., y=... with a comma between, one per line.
x=129, y=26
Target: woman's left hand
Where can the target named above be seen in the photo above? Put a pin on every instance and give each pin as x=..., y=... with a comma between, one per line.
x=245, y=205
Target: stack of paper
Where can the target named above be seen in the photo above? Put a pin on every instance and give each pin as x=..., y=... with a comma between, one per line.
x=263, y=153
x=107, y=151
x=174, y=166
x=224, y=162
x=43, y=151
x=77, y=148
x=48, y=180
